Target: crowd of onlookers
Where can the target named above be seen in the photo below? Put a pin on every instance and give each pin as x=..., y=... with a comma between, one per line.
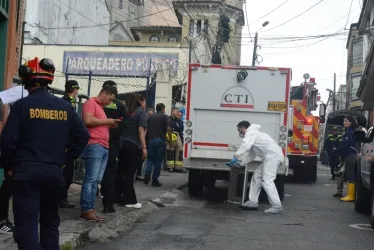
x=127, y=143
x=115, y=157
x=342, y=151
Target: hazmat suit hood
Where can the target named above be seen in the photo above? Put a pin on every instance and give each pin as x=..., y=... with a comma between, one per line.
x=254, y=127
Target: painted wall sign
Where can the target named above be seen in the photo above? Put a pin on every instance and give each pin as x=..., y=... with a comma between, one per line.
x=116, y=63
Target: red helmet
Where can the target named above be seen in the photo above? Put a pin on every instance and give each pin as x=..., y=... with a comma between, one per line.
x=35, y=71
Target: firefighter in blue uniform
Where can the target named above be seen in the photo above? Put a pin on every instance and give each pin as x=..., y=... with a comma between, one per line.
x=39, y=129
x=328, y=147
x=71, y=93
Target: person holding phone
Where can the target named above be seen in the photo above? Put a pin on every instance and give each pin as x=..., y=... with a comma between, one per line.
x=95, y=155
x=115, y=110
x=133, y=146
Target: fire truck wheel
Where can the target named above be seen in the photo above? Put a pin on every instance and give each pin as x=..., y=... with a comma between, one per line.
x=312, y=173
x=195, y=183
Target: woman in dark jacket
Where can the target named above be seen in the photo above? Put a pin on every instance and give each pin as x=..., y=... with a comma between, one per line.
x=348, y=149
x=133, y=146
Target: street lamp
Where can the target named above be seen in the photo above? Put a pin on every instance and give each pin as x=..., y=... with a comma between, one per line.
x=254, y=56
x=331, y=94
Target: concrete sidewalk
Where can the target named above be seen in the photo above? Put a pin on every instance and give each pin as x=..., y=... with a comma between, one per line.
x=74, y=232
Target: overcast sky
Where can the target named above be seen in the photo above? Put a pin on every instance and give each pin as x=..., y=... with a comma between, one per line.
x=321, y=59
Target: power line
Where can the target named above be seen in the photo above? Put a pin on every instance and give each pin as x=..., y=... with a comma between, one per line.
x=271, y=47
x=268, y=13
x=337, y=20
x=340, y=30
x=77, y=12
x=350, y=7
x=294, y=17
x=93, y=26
x=246, y=18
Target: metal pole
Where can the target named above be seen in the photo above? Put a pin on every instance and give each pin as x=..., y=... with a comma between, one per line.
x=67, y=69
x=334, y=93
x=190, y=51
x=148, y=80
x=22, y=43
x=89, y=83
x=254, y=51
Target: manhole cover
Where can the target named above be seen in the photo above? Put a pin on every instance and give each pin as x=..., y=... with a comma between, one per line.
x=362, y=226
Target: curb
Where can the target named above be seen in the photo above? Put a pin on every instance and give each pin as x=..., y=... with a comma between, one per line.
x=107, y=230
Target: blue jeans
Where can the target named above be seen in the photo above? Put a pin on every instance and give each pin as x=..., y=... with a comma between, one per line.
x=156, y=154
x=95, y=159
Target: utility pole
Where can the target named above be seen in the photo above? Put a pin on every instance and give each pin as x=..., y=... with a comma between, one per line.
x=254, y=51
x=254, y=56
x=334, y=93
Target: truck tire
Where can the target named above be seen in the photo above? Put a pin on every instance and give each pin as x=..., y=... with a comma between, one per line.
x=312, y=175
x=195, y=183
x=279, y=183
x=363, y=200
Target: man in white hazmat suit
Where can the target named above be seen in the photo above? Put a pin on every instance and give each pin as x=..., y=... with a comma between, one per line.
x=256, y=143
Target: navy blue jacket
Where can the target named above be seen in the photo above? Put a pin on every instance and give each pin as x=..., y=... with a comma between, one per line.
x=177, y=126
x=40, y=128
x=348, y=144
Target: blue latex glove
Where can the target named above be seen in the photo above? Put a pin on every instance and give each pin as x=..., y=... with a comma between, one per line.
x=233, y=162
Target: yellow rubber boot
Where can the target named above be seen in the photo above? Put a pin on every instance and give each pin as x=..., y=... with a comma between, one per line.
x=351, y=196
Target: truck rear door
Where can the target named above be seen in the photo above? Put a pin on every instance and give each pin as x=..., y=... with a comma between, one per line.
x=217, y=101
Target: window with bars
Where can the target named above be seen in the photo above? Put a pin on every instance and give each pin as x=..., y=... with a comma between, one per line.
x=154, y=39
x=355, y=84
x=357, y=52
x=197, y=27
x=172, y=39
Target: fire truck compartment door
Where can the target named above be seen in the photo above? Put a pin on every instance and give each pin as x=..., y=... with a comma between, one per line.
x=215, y=128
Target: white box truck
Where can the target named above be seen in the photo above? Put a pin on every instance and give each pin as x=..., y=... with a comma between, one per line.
x=217, y=99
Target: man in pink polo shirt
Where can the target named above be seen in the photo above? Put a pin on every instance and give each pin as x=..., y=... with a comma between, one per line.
x=95, y=155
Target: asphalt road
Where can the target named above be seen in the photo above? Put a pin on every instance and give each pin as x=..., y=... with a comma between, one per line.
x=312, y=219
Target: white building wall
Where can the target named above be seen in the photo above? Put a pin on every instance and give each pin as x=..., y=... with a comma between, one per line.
x=165, y=79
x=53, y=21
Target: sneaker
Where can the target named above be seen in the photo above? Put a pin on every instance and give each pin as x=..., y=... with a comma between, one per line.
x=249, y=205
x=274, y=210
x=137, y=205
x=6, y=227
x=89, y=216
